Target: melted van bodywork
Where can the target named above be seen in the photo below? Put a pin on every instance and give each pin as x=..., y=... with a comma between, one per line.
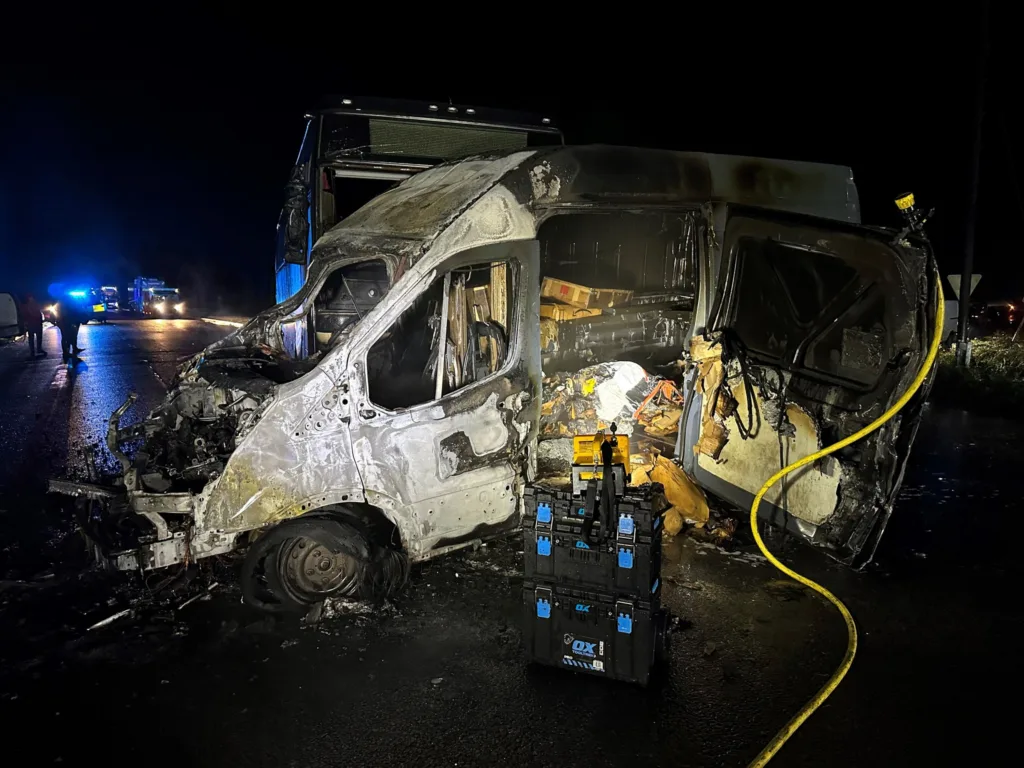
x=797, y=326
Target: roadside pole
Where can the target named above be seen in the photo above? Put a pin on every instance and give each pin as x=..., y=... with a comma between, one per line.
x=963, y=346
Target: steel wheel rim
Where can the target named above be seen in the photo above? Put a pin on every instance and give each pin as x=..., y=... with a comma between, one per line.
x=311, y=571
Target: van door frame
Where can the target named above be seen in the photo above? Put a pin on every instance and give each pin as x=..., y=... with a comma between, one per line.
x=858, y=529
x=463, y=497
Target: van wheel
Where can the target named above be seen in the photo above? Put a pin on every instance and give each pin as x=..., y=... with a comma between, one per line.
x=302, y=562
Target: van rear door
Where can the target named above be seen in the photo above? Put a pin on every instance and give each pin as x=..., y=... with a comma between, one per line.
x=817, y=328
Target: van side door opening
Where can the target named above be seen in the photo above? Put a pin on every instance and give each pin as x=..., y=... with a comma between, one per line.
x=652, y=254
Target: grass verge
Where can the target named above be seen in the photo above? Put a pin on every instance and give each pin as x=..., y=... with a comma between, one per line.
x=993, y=384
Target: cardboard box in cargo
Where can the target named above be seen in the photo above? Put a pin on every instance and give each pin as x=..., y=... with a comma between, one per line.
x=478, y=303
x=605, y=298
x=561, y=312
x=581, y=296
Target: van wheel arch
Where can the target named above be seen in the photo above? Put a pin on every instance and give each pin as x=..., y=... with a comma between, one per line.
x=374, y=522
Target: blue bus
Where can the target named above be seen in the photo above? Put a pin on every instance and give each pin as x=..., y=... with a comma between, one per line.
x=353, y=149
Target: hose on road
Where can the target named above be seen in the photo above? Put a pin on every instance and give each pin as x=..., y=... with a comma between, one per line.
x=826, y=690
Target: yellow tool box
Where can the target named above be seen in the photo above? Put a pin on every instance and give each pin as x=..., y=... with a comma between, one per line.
x=588, y=464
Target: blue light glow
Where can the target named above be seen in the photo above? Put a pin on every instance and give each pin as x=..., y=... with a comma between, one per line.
x=290, y=278
x=77, y=294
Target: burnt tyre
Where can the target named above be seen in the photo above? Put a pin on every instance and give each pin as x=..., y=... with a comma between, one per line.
x=303, y=562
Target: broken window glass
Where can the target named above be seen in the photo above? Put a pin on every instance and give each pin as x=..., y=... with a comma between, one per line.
x=809, y=309
x=402, y=364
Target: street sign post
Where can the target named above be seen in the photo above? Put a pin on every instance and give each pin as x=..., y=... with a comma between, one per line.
x=963, y=344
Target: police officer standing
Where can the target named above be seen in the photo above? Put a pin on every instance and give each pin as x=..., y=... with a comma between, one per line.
x=32, y=317
x=69, y=319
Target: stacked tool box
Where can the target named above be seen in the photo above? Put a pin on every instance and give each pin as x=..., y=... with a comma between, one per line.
x=594, y=606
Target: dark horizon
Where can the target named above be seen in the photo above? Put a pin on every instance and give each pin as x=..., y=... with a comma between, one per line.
x=181, y=175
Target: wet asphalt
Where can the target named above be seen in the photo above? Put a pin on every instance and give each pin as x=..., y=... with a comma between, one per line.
x=437, y=677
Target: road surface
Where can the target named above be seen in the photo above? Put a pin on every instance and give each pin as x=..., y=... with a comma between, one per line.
x=437, y=678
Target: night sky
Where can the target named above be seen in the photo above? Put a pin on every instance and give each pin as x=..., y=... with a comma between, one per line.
x=166, y=153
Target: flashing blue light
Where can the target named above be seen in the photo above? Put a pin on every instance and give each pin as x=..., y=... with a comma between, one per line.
x=77, y=294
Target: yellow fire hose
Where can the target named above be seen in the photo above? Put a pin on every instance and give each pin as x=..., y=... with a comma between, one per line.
x=818, y=699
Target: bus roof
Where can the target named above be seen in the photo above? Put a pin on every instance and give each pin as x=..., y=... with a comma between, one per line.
x=439, y=112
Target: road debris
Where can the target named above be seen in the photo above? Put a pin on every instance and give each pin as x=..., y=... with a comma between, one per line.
x=111, y=619
x=205, y=595
x=335, y=607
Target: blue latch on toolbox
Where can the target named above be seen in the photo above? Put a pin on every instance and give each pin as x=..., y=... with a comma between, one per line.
x=624, y=624
x=543, y=513
x=626, y=525
x=625, y=556
x=544, y=609
x=544, y=546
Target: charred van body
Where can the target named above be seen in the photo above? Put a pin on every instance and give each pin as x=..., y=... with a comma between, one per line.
x=392, y=404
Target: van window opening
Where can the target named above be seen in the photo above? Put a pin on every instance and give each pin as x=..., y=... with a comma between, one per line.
x=402, y=365
x=812, y=311
x=640, y=252
x=348, y=293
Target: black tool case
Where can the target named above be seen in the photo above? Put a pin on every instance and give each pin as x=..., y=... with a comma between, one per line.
x=627, y=562
x=595, y=633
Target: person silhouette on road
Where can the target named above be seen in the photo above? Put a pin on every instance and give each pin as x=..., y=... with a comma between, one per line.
x=32, y=317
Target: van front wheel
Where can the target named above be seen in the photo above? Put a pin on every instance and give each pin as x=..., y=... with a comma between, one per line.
x=302, y=562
